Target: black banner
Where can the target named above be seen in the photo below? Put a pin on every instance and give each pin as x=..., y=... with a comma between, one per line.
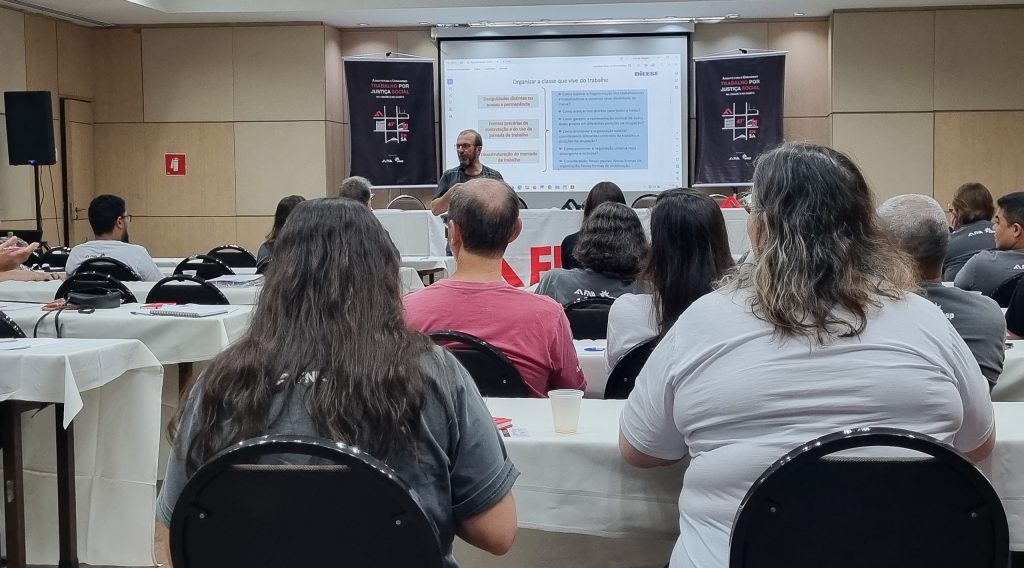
x=391, y=112
x=739, y=115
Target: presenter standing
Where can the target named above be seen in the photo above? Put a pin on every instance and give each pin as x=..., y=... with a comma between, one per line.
x=468, y=145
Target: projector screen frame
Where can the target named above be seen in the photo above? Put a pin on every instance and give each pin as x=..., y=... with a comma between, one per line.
x=549, y=199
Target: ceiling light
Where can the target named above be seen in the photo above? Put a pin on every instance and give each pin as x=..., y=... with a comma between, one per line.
x=424, y=23
x=363, y=24
x=732, y=16
x=799, y=14
x=601, y=22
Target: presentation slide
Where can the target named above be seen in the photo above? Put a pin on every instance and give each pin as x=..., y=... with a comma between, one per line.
x=561, y=123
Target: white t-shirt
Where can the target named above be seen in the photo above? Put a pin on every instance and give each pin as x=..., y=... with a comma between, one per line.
x=135, y=256
x=720, y=390
x=631, y=321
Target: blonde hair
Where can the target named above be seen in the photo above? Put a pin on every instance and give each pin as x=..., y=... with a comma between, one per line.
x=822, y=262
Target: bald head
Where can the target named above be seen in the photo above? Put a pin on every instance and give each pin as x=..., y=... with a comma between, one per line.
x=919, y=226
x=486, y=213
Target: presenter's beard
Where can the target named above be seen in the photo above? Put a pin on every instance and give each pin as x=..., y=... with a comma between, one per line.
x=464, y=161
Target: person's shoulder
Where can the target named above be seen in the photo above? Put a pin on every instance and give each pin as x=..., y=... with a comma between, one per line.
x=975, y=301
x=629, y=304
x=491, y=172
x=530, y=302
x=451, y=172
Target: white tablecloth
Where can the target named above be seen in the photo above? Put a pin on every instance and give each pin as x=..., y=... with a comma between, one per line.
x=410, y=278
x=578, y=483
x=172, y=339
x=590, y=352
x=112, y=390
x=1010, y=386
x=446, y=263
x=42, y=292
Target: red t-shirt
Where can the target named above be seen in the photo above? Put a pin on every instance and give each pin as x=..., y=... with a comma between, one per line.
x=530, y=329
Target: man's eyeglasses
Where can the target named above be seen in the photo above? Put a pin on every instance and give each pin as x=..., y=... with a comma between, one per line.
x=126, y=217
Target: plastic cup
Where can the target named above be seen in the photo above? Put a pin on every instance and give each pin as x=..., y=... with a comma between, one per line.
x=191, y=273
x=565, y=409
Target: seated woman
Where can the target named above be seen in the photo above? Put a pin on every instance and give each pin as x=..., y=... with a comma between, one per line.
x=284, y=208
x=602, y=192
x=328, y=354
x=970, y=218
x=689, y=253
x=820, y=332
x=611, y=250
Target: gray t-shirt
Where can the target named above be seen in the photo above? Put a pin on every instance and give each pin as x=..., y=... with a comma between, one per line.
x=986, y=270
x=458, y=175
x=964, y=243
x=135, y=256
x=566, y=286
x=978, y=320
x=460, y=467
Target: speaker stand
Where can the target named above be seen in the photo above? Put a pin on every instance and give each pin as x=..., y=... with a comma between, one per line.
x=39, y=196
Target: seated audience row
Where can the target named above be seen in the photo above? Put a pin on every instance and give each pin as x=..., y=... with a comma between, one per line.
x=109, y=221
x=602, y=192
x=987, y=269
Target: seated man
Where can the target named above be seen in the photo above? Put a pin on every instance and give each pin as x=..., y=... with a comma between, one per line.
x=109, y=223
x=357, y=188
x=530, y=329
x=985, y=271
x=919, y=227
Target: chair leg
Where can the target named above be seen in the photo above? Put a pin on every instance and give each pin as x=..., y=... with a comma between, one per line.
x=13, y=490
x=67, y=517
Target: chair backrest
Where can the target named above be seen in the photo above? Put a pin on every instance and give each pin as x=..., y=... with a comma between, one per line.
x=406, y=203
x=588, y=317
x=623, y=376
x=182, y=289
x=645, y=201
x=813, y=509
x=56, y=257
x=1004, y=292
x=9, y=329
x=336, y=506
x=82, y=281
x=718, y=197
x=234, y=256
x=109, y=266
x=206, y=267
x=492, y=372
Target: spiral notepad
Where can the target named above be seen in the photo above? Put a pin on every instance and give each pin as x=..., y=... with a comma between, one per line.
x=188, y=311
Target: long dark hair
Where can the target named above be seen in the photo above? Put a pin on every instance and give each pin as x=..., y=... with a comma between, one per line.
x=284, y=208
x=612, y=242
x=822, y=261
x=689, y=252
x=330, y=316
x=602, y=192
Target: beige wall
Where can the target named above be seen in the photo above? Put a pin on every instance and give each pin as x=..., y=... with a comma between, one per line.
x=39, y=53
x=908, y=89
x=246, y=105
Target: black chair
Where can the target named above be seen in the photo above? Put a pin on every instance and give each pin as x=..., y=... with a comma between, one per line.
x=34, y=260
x=206, y=267
x=623, y=376
x=645, y=201
x=234, y=256
x=1004, y=292
x=406, y=203
x=263, y=264
x=522, y=203
x=492, y=372
x=338, y=507
x=813, y=509
x=9, y=329
x=94, y=281
x=110, y=267
x=181, y=289
x=588, y=317
x=55, y=258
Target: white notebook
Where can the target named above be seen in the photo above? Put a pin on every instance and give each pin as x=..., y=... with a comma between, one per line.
x=187, y=310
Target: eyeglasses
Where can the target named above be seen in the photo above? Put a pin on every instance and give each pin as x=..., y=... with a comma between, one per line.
x=126, y=217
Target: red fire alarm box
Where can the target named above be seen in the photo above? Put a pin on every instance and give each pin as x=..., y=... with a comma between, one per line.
x=174, y=164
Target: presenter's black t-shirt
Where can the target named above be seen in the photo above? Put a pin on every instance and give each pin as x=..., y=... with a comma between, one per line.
x=459, y=175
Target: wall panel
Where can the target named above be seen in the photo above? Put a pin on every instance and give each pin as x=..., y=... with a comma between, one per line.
x=279, y=73
x=120, y=163
x=978, y=64
x=894, y=151
x=12, y=52
x=275, y=159
x=117, y=70
x=182, y=236
x=208, y=188
x=250, y=232
x=41, y=57
x=816, y=129
x=808, y=92
x=74, y=60
x=183, y=85
x=978, y=146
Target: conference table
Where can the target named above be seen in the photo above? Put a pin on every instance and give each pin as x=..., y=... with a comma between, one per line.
x=578, y=483
x=90, y=456
x=43, y=292
x=409, y=275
